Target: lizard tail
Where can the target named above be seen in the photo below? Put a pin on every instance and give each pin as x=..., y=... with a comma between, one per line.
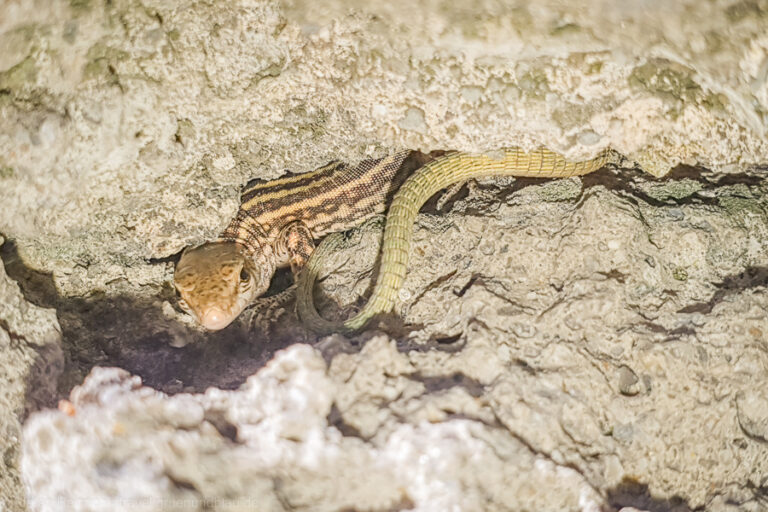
x=408, y=200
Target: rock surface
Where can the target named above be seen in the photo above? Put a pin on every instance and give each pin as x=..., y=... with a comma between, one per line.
x=605, y=337
x=268, y=446
x=30, y=362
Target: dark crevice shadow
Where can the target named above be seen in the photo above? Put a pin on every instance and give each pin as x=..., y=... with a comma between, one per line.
x=750, y=277
x=627, y=182
x=759, y=495
x=133, y=333
x=173, y=258
x=336, y=419
x=630, y=493
x=711, y=179
x=433, y=384
x=669, y=334
x=36, y=287
x=623, y=182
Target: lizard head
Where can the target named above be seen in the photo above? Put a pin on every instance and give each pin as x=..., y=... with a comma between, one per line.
x=217, y=280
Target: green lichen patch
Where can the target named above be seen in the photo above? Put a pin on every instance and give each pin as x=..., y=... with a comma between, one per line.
x=674, y=190
x=745, y=9
x=80, y=5
x=739, y=206
x=6, y=171
x=560, y=190
x=565, y=29
x=716, y=103
x=680, y=274
x=22, y=74
x=102, y=60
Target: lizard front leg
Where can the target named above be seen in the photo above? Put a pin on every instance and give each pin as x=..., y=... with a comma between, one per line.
x=297, y=242
x=294, y=245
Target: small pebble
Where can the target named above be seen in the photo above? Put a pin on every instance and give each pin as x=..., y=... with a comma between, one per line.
x=628, y=381
x=676, y=214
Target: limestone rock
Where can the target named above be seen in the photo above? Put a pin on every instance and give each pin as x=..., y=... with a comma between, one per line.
x=268, y=446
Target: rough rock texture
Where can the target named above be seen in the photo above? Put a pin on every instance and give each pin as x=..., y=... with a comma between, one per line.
x=268, y=446
x=30, y=362
x=620, y=330
x=606, y=334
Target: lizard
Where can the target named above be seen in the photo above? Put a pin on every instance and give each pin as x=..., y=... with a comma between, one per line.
x=275, y=226
x=278, y=221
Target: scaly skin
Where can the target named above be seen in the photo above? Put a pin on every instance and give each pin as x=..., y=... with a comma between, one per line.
x=422, y=185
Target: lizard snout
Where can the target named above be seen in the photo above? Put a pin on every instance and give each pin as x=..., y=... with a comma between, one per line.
x=215, y=318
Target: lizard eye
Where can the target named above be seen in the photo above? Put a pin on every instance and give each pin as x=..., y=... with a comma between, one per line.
x=244, y=276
